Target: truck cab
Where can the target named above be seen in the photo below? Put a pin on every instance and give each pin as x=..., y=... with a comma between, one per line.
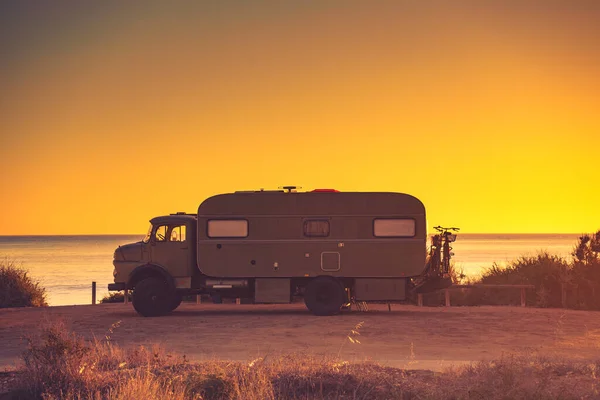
x=166, y=254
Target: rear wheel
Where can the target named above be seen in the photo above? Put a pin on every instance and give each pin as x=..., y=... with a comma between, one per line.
x=152, y=297
x=177, y=299
x=324, y=296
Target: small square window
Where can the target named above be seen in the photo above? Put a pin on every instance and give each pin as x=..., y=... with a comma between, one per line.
x=316, y=228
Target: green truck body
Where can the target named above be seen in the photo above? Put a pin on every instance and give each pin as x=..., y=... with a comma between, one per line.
x=327, y=246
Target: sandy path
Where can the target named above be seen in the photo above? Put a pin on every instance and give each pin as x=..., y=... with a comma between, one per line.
x=438, y=336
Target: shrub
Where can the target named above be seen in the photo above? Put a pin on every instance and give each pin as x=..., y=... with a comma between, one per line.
x=18, y=289
x=585, y=280
x=557, y=281
x=115, y=297
x=587, y=250
x=547, y=272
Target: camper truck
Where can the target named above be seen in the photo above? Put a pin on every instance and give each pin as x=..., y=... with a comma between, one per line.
x=273, y=246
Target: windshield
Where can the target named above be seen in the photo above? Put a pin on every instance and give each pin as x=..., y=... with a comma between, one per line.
x=147, y=238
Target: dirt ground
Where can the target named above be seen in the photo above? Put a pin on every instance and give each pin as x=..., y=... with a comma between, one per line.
x=408, y=336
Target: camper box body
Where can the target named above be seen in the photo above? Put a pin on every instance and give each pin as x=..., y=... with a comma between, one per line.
x=378, y=238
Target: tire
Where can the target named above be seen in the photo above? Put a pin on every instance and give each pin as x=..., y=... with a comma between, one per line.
x=152, y=297
x=176, y=302
x=324, y=296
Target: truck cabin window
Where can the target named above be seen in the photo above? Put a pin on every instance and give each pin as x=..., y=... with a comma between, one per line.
x=177, y=234
x=396, y=227
x=148, y=235
x=227, y=228
x=316, y=228
x=161, y=233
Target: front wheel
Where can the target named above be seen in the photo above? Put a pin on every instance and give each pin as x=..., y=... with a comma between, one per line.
x=151, y=297
x=324, y=296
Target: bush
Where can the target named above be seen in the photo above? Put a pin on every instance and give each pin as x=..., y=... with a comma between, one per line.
x=547, y=272
x=558, y=282
x=115, y=297
x=18, y=289
x=587, y=250
x=585, y=278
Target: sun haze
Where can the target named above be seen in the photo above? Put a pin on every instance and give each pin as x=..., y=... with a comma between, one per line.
x=112, y=113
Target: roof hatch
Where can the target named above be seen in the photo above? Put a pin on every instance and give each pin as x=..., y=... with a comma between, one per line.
x=290, y=189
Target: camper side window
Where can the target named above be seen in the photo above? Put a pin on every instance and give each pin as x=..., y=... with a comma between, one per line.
x=394, y=227
x=316, y=228
x=224, y=228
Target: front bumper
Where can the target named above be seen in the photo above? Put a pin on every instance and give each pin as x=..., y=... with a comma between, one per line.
x=117, y=286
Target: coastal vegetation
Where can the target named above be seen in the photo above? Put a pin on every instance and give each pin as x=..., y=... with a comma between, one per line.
x=59, y=364
x=115, y=297
x=17, y=288
x=558, y=282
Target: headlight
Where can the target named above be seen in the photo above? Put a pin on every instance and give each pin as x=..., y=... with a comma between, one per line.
x=451, y=237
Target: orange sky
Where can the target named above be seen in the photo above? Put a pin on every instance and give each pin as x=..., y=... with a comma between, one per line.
x=486, y=111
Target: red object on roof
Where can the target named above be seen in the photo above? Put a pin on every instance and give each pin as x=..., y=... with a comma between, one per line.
x=326, y=190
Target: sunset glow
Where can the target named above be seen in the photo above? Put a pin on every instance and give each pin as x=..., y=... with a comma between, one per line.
x=486, y=111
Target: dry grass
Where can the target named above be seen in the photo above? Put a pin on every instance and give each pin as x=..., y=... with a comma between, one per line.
x=59, y=364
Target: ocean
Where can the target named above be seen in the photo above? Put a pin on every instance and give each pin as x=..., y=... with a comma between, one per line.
x=67, y=265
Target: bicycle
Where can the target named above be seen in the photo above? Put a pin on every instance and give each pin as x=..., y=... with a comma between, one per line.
x=441, y=252
x=437, y=271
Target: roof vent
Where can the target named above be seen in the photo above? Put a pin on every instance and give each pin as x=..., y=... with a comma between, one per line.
x=290, y=189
